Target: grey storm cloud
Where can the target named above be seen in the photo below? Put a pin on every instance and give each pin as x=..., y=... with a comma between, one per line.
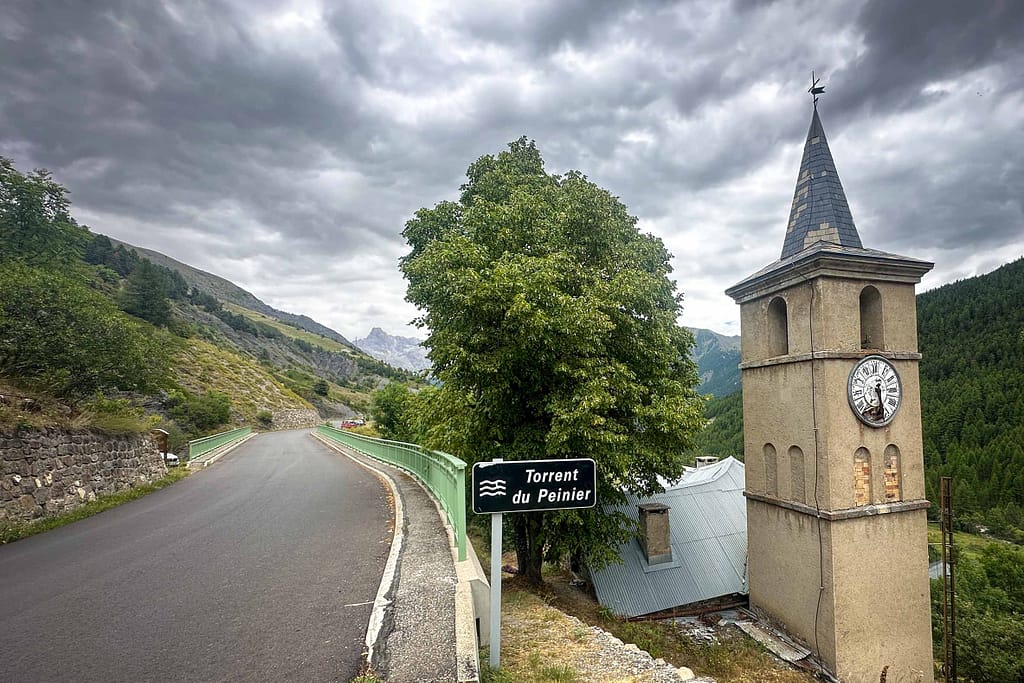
x=921, y=41
x=284, y=144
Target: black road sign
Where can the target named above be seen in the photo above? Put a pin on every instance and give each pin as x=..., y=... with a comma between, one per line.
x=525, y=485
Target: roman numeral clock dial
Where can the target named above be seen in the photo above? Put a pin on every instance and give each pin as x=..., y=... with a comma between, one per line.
x=875, y=391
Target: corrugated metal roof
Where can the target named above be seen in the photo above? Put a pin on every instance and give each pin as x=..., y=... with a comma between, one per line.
x=708, y=528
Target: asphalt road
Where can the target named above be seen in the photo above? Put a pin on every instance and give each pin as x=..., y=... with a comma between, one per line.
x=261, y=567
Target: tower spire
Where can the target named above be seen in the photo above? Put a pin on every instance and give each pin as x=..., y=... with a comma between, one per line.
x=820, y=212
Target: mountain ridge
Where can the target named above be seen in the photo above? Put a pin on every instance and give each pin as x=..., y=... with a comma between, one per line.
x=718, y=360
x=226, y=290
x=717, y=356
x=402, y=352
x=297, y=351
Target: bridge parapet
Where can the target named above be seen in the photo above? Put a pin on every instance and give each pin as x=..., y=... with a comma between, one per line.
x=199, y=447
x=442, y=474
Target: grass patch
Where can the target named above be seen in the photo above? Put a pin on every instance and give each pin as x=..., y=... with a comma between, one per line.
x=114, y=416
x=647, y=635
x=540, y=643
x=17, y=420
x=734, y=658
x=961, y=539
x=368, y=677
x=120, y=424
x=11, y=531
x=534, y=645
x=28, y=408
x=366, y=430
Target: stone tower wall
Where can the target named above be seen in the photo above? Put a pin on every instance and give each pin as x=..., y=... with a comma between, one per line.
x=836, y=522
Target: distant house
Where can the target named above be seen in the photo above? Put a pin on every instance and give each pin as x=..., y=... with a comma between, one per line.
x=692, y=549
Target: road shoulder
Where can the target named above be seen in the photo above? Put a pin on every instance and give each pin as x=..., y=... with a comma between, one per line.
x=416, y=640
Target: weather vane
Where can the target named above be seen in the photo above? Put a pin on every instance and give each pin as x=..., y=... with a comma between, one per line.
x=815, y=89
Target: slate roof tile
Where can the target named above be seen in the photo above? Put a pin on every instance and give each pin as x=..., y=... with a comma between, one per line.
x=818, y=199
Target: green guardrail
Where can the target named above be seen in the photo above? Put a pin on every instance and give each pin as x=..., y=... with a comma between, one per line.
x=444, y=475
x=198, y=447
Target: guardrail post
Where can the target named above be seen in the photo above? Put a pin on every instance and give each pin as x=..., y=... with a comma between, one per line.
x=459, y=503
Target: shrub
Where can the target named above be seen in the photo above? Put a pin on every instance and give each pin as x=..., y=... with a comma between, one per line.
x=390, y=412
x=73, y=340
x=198, y=414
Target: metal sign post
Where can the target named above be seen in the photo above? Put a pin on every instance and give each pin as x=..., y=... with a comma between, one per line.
x=495, y=642
x=526, y=486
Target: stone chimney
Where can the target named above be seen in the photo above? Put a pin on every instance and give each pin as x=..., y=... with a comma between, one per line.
x=654, y=533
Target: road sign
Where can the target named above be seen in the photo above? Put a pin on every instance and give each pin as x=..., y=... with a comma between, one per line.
x=524, y=486
x=527, y=485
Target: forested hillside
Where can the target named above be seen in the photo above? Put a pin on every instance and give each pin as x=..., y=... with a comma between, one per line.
x=723, y=435
x=95, y=334
x=972, y=391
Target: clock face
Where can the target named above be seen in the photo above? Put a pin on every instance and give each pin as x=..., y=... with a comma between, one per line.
x=875, y=391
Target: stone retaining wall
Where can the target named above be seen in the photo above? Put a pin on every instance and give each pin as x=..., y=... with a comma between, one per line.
x=296, y=419
x=52, y=471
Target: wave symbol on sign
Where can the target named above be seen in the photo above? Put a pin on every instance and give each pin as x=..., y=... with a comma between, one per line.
x=492, y=487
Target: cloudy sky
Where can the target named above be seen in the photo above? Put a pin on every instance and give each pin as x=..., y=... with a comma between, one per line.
x=283, y=145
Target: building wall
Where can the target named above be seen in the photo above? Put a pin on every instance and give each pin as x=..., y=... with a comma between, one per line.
x=783, y=560
x=836, y=317
x=777, y=412
x=845, y=433
x=881, y=598
x=296, y=419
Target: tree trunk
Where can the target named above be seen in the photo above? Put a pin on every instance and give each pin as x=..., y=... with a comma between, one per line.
x=529, y=548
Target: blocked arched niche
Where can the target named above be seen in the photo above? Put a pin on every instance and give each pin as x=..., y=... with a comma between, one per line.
x=796, y=473
x=771, y=471
x=893, y=474
x=862, y=477
x=871, y=333
x=778, y=327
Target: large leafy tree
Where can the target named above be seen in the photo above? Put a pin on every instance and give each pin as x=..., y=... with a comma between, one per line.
x=390, y=411
x=54, y=329
x=35, y=225
x=552, y=328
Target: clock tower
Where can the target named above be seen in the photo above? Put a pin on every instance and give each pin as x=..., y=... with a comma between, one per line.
x=836, y=528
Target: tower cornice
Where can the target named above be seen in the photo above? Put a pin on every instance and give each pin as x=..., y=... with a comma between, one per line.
x=823, y=259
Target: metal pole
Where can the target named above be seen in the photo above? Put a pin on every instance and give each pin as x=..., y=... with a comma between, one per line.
x=495, y=658
x=948, y=580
